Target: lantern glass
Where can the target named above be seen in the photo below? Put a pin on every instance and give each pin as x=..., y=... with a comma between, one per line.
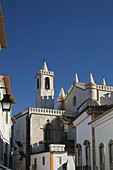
x=6, y=103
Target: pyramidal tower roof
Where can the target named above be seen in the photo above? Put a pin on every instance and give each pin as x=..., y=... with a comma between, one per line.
x=103, y=81
x=44, y=66
x=90, y=79
x=2, y=32
x=76, y=78
x=61, y=94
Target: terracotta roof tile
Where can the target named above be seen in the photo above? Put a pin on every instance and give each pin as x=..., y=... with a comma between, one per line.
x=7, y=85
x=2, y=32
x=13, y=120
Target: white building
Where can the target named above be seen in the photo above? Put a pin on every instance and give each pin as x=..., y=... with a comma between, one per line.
x=81, y=94
x=6, y=121
x=41, y=126
x=103, y=126
x=85, y=136
x=55, y=159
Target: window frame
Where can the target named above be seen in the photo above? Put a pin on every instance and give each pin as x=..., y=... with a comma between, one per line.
x=87, y=146
x=43, y=160
x=47, y=82
x=79, y=148
x=74, y=101
x=102, y=159
x=110, y=163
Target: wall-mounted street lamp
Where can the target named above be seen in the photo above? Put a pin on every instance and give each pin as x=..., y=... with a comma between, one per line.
x=6, y=103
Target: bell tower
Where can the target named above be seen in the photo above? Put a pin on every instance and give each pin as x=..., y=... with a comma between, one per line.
x=44, y=93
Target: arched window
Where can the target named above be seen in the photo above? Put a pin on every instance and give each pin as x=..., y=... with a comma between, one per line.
x=47, y=83
x=48, y=135
x=79, y=156
x=74, y=101
x=102, y=156
x=87, y=153
x=111, y=153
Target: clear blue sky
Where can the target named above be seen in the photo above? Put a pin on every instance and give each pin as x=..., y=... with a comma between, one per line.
x=72, y=36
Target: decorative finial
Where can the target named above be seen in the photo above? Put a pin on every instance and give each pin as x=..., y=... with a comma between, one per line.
x=90, y=79
x=76, y=78
x=103, y=81
x=44, y=66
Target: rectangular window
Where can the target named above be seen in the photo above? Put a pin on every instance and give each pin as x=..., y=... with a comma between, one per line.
x=38, y=83
x=35, y=163
x=79, y=157
x=58, y=160
x=43, y=160
x=87, y=156
x=6, y=117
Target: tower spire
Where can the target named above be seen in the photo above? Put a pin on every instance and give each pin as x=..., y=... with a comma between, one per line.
x=61, y=94
x=76, y=78
x=90, y=79
x=44, y=66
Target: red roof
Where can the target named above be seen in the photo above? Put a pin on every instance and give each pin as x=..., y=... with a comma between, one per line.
x=7, y=85
x=2, y=32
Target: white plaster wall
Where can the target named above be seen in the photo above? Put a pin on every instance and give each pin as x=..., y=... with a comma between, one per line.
x=84, y=132
x=39, y=161
x=58, y=165
x=80, y=98
x=5, y=127
x=104, y=98
x=44, y=98
x=71, y=162
x=103, y=134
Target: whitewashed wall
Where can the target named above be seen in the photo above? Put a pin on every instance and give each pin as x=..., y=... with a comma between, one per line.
x=103, y=134
x=83, y=132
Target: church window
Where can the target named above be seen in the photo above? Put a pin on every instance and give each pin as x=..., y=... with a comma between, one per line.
x=74, y=101
x=38, y=83
x=47, y=83
x=48, y=135
x=43, y=160
x=101, y=153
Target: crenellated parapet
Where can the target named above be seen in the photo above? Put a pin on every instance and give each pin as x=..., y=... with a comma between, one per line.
x=44, y=111
x=46, y=72
x=104, y=87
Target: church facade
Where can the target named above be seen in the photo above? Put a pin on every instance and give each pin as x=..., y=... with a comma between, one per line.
x=39, y=127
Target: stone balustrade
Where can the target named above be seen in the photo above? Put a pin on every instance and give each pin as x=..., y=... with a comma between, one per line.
x=50, y=112
x=56, y=148
x=104, y=87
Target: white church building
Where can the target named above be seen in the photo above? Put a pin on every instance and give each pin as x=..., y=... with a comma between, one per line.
x=41, y=131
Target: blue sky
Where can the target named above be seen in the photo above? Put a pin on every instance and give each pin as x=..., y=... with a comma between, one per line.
x=72, y=36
